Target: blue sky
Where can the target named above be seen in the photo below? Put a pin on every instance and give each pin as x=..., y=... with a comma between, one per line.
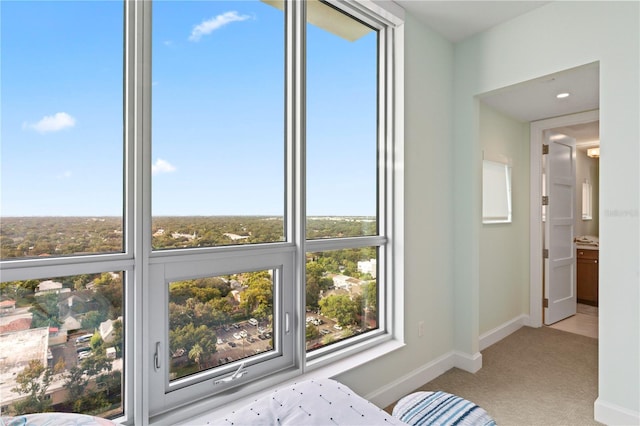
x=218, y=111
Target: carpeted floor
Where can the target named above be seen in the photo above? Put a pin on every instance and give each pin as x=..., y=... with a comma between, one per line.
x=533, y=377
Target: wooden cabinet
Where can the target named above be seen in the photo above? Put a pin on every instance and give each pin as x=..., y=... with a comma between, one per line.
x=587, y=276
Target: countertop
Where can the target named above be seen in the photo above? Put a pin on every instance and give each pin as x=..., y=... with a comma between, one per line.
x=587, y=242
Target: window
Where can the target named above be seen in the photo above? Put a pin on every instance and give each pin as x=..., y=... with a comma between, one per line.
x=496, y=192
x=65, y=271
x=214, y=204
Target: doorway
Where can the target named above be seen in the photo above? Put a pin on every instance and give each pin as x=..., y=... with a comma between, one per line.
x=574, y=123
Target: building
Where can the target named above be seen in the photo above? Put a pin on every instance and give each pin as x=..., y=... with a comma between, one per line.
x=106, y=329
x=48, y=286
x=368, y=267
x=17, y=349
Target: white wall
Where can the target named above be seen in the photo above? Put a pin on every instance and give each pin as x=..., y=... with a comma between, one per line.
x=443, y=186
x=504, y=249
x=555, y=37
x=428, y=213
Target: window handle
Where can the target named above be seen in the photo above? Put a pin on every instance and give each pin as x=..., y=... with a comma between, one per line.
x=156, y=357
x=241, y=371
x=286, y=322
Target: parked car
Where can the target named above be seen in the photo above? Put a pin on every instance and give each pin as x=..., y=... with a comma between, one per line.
x=337, y=326
x=253, y=321
x=84, y=338
x=232, y=344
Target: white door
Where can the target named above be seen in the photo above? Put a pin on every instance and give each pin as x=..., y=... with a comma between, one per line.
x=560, y=263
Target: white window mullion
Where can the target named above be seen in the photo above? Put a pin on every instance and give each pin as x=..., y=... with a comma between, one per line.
x=296, y=81
x=140, y=207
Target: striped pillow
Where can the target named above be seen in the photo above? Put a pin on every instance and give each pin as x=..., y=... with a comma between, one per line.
x=440, y=408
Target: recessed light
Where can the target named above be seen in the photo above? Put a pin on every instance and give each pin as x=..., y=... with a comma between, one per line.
x=562, y=95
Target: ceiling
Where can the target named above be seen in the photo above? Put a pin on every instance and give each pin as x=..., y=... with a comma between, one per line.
x=457, y=20
x=527, y=101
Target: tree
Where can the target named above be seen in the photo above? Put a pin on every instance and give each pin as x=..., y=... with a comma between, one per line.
x=311, y=332
x=96, y=363
x=195, y=354
x=370, y=296
x=109, y=293
x=75, y=384
x=33, y=381
x=340, y=307
x=45, y=311
x=257, y=299
x=188, y=336
x=118, y=340
x=92, y=320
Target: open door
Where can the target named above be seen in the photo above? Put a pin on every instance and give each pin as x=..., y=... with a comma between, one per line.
x=559, y=217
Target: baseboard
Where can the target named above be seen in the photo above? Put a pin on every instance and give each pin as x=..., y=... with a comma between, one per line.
x=468, y=362
x=406, y=384
x=611, y=414
x=502, y=331
x=387, y=395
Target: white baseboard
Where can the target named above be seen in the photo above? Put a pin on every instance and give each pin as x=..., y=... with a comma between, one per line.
x=611, y=414
x=467, y=362
x=502, y=331
x=406, y=384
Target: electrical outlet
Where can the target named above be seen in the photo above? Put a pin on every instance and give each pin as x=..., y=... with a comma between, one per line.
x=420, y=328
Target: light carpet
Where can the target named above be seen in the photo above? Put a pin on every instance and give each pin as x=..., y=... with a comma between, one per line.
x=535, y=376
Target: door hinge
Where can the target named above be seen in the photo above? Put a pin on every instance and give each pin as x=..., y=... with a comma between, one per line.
x=545, y=200
x=545, y=303
x=545, y=253
x=545, y=148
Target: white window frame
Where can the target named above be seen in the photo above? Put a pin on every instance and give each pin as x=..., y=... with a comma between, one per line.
x=140, y=263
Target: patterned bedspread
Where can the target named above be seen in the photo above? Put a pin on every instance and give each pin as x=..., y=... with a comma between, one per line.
x=314, y=402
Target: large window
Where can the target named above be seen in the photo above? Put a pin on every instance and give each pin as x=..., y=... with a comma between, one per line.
x=197, y=198
x=63, y=309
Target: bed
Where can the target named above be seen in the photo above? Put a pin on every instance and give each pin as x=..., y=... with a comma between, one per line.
x=322, y=402
x=314, y=403
x=327, y=402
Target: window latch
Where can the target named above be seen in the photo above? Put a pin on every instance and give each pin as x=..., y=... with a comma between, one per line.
x=156, y=357
x=241, y=371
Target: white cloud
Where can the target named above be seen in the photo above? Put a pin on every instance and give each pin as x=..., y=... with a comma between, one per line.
x=207, y=27
x=52, y=123
x=162, y=166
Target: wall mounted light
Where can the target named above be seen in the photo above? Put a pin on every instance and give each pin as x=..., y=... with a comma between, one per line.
x=562, y=95
x=593, y=152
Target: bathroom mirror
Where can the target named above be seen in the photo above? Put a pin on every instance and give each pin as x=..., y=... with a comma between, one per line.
x=496, y=192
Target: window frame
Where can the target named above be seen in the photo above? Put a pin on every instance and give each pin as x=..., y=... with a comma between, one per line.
x=138, y=259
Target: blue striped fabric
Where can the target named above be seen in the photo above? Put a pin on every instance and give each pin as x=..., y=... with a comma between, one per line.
x=440, y=408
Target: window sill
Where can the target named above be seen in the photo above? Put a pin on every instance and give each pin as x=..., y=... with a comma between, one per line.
x=185, y=415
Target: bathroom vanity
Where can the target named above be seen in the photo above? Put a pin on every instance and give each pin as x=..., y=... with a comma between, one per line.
x=587, y=255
